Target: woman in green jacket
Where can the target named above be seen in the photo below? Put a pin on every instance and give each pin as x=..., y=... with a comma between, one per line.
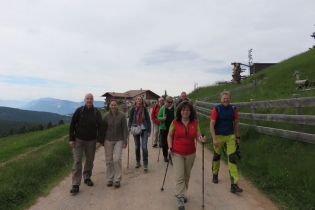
x=166, y=115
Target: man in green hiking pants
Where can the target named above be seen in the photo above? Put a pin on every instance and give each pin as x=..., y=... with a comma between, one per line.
x=224, y=121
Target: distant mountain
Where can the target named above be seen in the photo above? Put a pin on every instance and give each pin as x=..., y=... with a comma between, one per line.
x=12, y=119
x=14, y=103
x=62, y=107
x=14, y=114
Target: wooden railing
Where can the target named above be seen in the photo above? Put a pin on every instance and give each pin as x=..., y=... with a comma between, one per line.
x=204, y=109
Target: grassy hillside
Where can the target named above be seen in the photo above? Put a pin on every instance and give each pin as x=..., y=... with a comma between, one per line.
x=278, y=82
x=32, y=163
x=281, y=168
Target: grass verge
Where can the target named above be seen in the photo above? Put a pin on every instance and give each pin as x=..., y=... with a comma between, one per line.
x=23, y=180
x=15, y=145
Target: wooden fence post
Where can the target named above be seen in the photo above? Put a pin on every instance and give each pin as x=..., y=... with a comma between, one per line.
x=298, y=111
x=253, y=109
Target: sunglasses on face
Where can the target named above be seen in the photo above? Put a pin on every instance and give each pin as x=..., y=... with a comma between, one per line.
x=170, y=102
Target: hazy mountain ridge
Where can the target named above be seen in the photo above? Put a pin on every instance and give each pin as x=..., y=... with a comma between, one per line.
x=13, y=120
x=14, y=114
x=62, y=107
x=14, y=103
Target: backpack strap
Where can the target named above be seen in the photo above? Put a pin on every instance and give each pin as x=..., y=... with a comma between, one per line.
x=217, y=108
x=82, y=109
x=81, y=112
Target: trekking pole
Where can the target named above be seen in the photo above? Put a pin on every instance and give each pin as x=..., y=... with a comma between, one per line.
x=128, y=151
x=159, y=145
x=203, y=175
x=159, y=153
x=165, y=174
x=170, y=159
x=153, y=136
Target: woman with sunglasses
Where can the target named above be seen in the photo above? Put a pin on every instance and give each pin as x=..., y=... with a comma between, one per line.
x=166, y=115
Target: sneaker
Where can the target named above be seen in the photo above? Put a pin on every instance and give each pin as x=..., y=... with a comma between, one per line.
x=88, y=182
x=74, y=189
x=181, y=203
x=117, y=184
x=165, y=160
x=215, y=179
x=138, y=165
x=109, y=183
x=145, y=168
x=154, y=145
x=235, y=188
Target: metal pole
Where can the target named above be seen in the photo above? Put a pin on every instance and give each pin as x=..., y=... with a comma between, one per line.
x=203, y=174
x=153, y=136
x=162, y=188
x=128, y=150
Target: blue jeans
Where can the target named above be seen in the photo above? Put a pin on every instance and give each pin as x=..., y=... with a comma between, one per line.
x=144, y=137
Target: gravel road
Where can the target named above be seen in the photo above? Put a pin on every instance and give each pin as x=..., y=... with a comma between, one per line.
x=140, y=190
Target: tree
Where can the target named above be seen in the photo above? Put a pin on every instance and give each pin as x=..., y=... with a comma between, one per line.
x=165, y=94
x=22, y=130
x=60, y=122
x=40, y=127
x=313, y=35
x=49, y=125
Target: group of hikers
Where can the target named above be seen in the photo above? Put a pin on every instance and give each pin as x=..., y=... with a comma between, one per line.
x=175, y=127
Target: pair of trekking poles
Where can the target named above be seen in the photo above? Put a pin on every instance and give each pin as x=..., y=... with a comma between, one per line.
x=203, y=174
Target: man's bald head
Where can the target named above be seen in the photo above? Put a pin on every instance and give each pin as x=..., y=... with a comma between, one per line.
x=89, y=99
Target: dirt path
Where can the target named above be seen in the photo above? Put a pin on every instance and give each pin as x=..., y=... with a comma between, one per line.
x=141, y=190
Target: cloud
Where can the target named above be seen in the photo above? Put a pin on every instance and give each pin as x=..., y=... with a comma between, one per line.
x=169, y=53
x=64, y=49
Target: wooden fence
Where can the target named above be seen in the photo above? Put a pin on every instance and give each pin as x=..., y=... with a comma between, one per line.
x=204, y=109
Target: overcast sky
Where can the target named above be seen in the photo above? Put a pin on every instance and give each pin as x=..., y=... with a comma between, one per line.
x=64, y=49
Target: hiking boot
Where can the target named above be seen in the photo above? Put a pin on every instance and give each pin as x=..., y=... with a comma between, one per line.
x=88, y=182
x=138, y=165
x=145, y=168
x=181, y=203
x=165, y=160
x=74, y=189
x=154, y=145
x=117, y=184
x=215, y=179
x=235, y=188
x=109, y=183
